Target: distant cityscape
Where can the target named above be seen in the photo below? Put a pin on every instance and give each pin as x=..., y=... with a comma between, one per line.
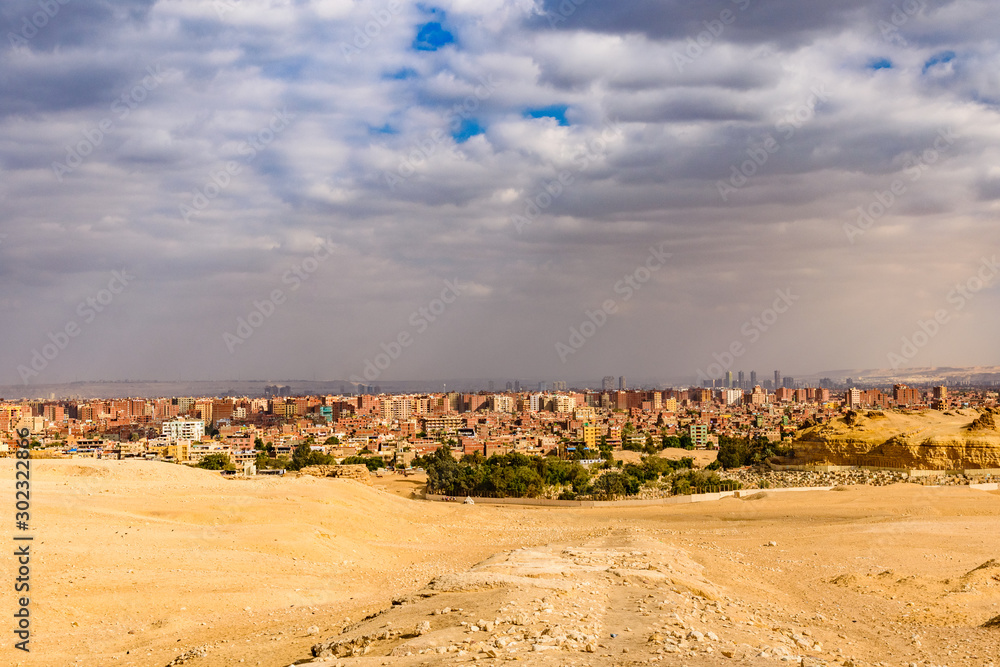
x=549, y=418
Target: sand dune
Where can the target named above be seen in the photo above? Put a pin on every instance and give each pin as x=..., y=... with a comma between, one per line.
x=139, y=563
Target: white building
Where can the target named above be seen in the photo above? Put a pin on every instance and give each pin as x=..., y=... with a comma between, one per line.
x=184, y=429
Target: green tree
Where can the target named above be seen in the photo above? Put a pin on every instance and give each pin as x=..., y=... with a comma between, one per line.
x=612, y=485
x=372, y=462
x=525, y=483
x=216, y=462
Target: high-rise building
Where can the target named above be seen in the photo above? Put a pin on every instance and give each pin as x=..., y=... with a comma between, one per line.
x=699, y=434
x=853, y=397
x=490, y=385
x=502, y=403
x=732, y=396
x=608, y=383
x=777, y=379
x=621, y=383
x=904, y=395
x=788, y=382
x=741, y=380
x=517, y=386
x=753, y=379
x=542, y=386
x=187, y=429
x=729, y=379
x=563, y=403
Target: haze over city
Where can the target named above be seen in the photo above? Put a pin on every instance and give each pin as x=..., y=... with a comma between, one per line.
x=684, y=164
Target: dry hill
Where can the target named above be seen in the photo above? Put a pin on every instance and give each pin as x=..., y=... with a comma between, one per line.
x=933, y=440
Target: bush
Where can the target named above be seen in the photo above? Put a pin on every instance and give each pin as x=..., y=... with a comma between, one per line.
x=216, y=462
x=739, y=452
x=511, y=475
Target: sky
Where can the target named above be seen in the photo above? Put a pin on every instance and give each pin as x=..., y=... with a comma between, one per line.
x=386, y=190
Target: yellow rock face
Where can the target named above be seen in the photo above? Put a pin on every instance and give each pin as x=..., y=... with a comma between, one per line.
x=930, y=440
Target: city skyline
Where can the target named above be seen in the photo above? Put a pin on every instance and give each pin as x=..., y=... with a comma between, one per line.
x=331, y=190
x=835, y=380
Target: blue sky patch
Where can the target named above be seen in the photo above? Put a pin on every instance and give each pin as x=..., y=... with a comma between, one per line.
x=939, y=59
x=405, y=73
x=879, y=63
x=469, y=128
x=557, y=111
x=432, y=36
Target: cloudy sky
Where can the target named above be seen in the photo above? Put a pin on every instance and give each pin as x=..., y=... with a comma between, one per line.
x=567, y=189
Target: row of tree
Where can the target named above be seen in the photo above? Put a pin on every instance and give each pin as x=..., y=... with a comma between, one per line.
x=515, y=475
x=510, y=475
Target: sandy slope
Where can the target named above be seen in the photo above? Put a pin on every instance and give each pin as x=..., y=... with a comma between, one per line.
x=137, y=563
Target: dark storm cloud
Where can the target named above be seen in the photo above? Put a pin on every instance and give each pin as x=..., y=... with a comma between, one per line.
x=789, y=24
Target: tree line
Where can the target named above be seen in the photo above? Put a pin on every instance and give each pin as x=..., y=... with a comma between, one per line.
x=515, y=475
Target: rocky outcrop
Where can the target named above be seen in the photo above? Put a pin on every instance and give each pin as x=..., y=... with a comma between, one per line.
x=930, y=440
x=984, y=422
x=356, y=472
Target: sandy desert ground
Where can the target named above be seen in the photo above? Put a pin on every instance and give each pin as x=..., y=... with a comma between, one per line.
x=143, y=563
